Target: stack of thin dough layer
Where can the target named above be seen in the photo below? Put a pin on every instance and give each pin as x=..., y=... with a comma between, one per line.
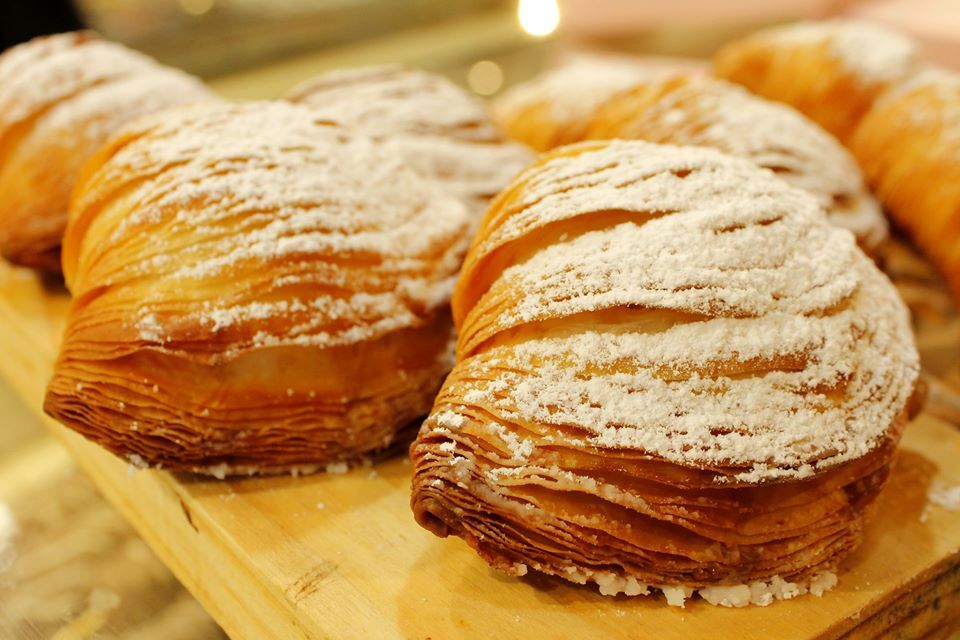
x=909, y=147
x=702, y=111
x=830, y=70
x=438, y=128
x=61, y=97
x=672, y=373
x=256, y=289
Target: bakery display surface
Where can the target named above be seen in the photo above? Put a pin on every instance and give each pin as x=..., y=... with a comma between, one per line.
x=62, y=97
x=672, y=376
x=339, y=555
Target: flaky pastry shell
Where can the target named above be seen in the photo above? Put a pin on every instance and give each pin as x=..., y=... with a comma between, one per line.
x=672, y=372
x=256, y=290
x=909, y=147
x=831, y=70
x=61, y=97
x=703, y=111
x=438, y=128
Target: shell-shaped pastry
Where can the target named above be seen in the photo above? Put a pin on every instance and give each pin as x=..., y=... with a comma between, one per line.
x=909, y=148
x=557, y=107
x=702, y=111
x=438, y=128
x=831, y=70
x=61, y=97
x=256, y=289
x=672, y=372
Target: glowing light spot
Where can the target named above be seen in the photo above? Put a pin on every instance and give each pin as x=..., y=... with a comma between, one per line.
x=539, y=17
x=485, y=77
x=196, y=7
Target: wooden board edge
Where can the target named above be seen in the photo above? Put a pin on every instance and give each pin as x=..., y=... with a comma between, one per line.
x=925, y=605
x=213, y=571
x=267, y=612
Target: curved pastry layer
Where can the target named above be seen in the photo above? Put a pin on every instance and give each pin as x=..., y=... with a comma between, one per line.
x=61, y=97
x=832, y=71
x=909, y=148
x=557, y=107
x=256, y=289
x=701, y=111
x=438, y=128
x=671, y=372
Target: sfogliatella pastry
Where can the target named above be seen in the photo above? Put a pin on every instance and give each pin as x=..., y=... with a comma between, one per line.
x=672, y=373
x=832, y=71
x=557, y=107
x=256, y=290
x=909, y=148
x=438, y=128
x=61, y=97
x=702, y=111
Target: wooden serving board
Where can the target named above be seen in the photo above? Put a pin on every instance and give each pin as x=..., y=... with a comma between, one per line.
x=340, y=556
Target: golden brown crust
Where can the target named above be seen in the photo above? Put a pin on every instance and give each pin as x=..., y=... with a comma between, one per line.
x=60, y=98
x=831, y=71
x=644, y=398
x=557, y=107
x=908, y=148
x=255, y=289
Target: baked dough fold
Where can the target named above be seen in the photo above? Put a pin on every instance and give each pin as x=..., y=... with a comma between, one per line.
x=256, y=289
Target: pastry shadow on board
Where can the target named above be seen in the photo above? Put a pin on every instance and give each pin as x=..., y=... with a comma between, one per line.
x=910, y=479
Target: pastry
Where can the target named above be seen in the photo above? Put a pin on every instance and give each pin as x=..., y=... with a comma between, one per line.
x=673, y=373
x=831, y=71
x=438, y=128
x=61, y=96
x=702, y=111
x=557, y=107
x=908, y=147
x=255, y=290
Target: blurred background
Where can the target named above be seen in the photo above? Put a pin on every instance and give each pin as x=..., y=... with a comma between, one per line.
x=484, y=44
x=70, y=567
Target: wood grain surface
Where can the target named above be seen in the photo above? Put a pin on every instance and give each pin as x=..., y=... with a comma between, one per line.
x=340, y=556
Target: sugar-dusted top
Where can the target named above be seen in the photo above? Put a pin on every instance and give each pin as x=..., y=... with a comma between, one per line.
x=713, y=113
x=875, y=54
x=441, y=130
x=574, y=91
x=54, y=70
x=263, y=223
x=685, y=304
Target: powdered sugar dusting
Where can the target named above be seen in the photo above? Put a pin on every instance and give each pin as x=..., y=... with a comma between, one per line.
x=873, y=53
x=295, y=218
x=439, y=129
x=793, y=353
x=574, y=91
x=52, y=70
x=717, y=114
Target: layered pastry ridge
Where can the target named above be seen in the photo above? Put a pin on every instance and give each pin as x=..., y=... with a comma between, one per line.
x=256, y=289
x=830, y=70
x=438, y=128
x=909, y=147
x=672, y=373
x=61, y=97
x=702, y=111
